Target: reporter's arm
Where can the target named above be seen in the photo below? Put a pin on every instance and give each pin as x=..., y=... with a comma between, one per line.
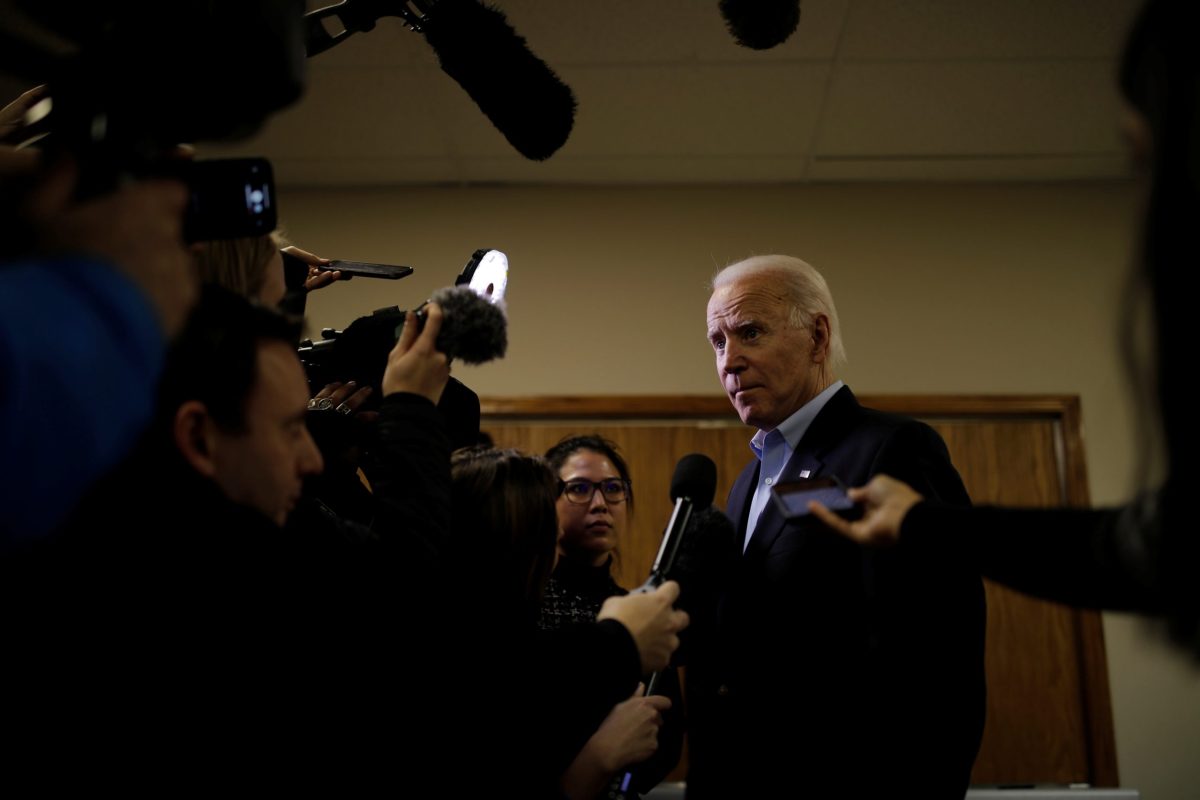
x=411, y=469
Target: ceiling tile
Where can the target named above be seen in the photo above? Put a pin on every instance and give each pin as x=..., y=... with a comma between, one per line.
x=919, y=90
x=356, y=112
x=715, y=110
x=996, y=107
x=624, y=31
x=309, y=172
x=972, y=29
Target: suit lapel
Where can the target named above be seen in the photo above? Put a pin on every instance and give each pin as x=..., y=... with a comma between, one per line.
x=737, y=508
x=807, y=461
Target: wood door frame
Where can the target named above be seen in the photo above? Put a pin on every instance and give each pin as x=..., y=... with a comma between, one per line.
x=1063, y=409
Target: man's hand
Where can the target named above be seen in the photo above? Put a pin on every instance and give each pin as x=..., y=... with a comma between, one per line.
x=885, y=502
x=345, y=399
x=652, y=621
x=415, y=365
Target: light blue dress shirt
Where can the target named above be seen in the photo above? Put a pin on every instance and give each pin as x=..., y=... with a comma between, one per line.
x=775, y=449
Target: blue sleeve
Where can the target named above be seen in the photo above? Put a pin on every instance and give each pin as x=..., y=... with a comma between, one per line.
x=80, y=353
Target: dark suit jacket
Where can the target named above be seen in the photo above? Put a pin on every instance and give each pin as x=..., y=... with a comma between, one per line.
x=834, y=671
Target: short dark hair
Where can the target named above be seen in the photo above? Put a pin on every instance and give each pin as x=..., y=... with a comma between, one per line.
x=557, y=455
x=214, y=359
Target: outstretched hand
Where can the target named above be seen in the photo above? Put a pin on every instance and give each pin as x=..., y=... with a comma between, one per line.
x=885, y=502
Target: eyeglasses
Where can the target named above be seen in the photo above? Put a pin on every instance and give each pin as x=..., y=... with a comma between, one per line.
x=580, y=491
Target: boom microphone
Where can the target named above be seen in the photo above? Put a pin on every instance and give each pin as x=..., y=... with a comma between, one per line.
x=761, y=24
x=515, y=89
x=476, y=47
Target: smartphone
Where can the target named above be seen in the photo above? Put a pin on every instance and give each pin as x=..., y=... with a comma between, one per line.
x=228, y=198
x=388, y=271
x=793, y=497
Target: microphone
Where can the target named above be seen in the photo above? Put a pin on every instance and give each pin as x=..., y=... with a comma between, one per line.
x=692, y=486
x=761, y=24
x=515, y=89
x=474, y=329
x=475, y=46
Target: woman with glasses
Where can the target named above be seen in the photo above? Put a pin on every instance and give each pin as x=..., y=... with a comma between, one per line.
x=595, y=500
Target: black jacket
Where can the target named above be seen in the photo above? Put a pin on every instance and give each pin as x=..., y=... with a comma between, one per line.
x=833, y=671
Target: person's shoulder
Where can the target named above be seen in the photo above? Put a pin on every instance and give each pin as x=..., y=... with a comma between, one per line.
x=895, y=433
x=886, y=424
x=894, y=423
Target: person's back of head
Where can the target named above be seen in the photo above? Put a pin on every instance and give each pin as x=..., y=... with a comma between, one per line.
x=505, y=524
x=251, y=267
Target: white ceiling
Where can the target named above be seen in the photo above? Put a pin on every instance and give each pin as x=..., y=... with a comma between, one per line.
x=865, y=90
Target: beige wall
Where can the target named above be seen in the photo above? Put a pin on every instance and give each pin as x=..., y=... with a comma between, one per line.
x=941, y=289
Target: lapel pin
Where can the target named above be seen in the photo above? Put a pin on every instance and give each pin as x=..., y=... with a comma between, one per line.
x=804, y=473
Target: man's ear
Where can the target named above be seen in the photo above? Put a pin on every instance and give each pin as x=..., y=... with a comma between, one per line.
x=193, y=433
x=820, y=351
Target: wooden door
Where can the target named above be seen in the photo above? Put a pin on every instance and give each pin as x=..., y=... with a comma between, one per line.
x=1049, y=712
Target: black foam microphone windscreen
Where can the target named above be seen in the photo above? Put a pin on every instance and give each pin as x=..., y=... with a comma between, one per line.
x=474, y=329
x=515, y=89
x=761, y=24
x=696, y=479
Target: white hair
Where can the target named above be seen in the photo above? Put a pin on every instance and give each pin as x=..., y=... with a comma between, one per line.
x=804, y=289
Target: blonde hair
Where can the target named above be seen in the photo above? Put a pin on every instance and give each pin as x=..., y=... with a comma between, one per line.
x=239, y=265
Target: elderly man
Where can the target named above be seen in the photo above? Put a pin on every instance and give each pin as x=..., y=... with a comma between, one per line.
x=831, y=671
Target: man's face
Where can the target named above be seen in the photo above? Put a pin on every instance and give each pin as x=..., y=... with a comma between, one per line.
x=765, y=364
x=264, y=465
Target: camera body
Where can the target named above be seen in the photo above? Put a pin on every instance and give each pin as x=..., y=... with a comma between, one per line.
x=128, y=82
x=228, y=198
x=474, y=328
x=359, y=353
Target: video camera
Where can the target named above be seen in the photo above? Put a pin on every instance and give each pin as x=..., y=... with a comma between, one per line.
x=474, y=328
x=129, y=81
